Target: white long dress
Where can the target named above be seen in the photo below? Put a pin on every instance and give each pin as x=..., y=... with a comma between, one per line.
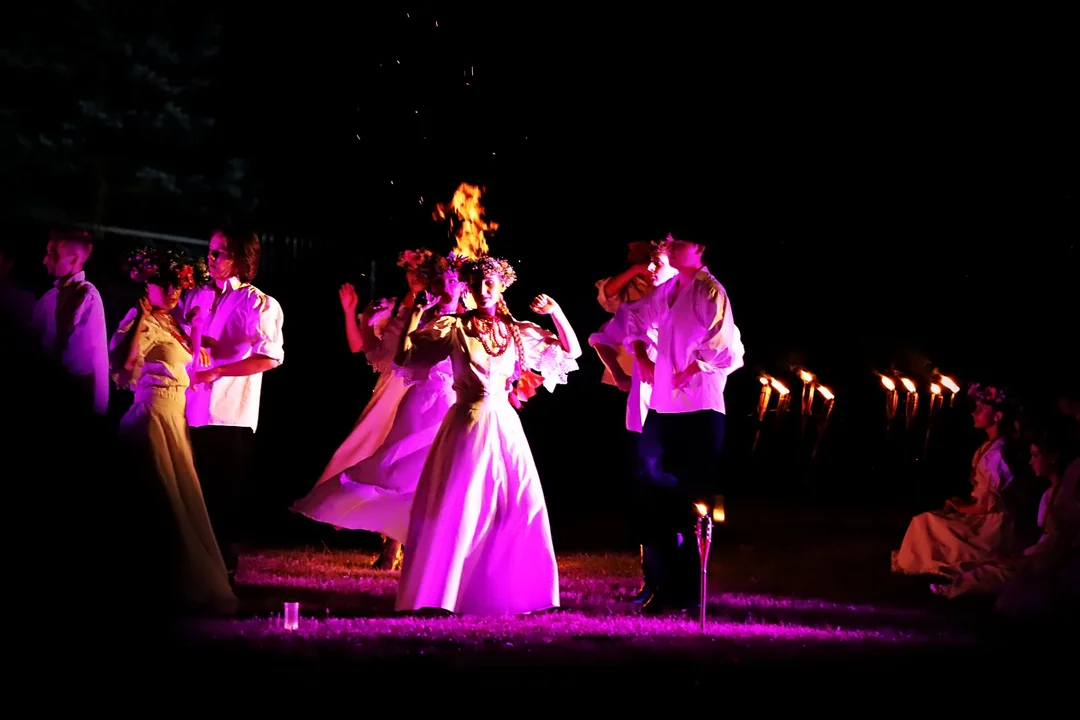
x=375, y=422
x=376, y=494
x=479, y=537
x=941, y=543
x=156, y=428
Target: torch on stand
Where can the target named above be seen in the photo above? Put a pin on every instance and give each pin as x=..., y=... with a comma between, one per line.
x=704, y=541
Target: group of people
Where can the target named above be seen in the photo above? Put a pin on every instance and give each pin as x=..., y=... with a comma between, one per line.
x=438, y=462
x=997, y=541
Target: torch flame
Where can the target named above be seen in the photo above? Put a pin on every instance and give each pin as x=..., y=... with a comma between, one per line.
x=806, y=377
x=466, y=216
x=778, y=386
x=702, y=509
x=935, y=388
x=825, y=392
x=908, y=385
x=888, y=383
x=764, y=379
x=948, y=382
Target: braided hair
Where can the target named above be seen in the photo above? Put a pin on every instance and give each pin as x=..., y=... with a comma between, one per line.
x=515, y=332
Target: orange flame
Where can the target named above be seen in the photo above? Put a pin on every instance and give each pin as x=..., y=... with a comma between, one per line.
x=764, y=379
x=806, y=376
x=702, y=509
x=935, y=388
x=908, y=385
x=825, y=392
x=948, y=382
x=466, y=216
x=888, y=383
x=779, y=386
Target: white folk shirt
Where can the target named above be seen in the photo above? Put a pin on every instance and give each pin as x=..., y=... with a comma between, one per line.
x=71, y=321
x=613, y=333
x=637, y=288
x=245, y=322
x=694, y=325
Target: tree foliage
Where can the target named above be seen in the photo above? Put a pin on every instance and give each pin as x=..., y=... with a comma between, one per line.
x=108, y=107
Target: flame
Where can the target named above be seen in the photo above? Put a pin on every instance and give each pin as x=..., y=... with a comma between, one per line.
x=935, y=388
x=466, y=216
x=947, y=382
x=764, y=379
x=806, y=377
x=888, y=383
x=702, y=509
x=908, y=385
x=825, y=392
x=779, y=386
x=718, y=515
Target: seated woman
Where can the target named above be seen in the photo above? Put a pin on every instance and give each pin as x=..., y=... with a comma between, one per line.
x=151, y=354
x=1050, y=579
x=969, y=530
x=1052, y=452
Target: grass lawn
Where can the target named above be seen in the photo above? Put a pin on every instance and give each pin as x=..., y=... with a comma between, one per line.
x=792, y=590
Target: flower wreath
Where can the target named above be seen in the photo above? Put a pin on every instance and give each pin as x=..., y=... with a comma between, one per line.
x=173, y=268
x=413, y=259
x=987, y=394
x=487, y=265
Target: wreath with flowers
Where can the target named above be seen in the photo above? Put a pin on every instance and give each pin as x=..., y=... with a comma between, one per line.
x=169, y=268
x=987, y=394
x=414, y=259
x=487, y=265
x=439, y=265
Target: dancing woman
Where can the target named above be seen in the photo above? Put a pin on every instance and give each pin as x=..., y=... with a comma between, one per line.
x=376, y=494
x=151, y=354
x=377, y=333
x=479, y=538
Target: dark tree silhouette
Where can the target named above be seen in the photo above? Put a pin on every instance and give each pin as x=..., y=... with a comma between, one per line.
x=107, y=113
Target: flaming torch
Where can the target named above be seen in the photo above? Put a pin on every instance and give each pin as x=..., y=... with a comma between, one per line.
x=829, y=400
x=784, y=401
x=704, y=540
x=762, y=408
x=468, y=223
x=911, y=402
x=952, y=387
x=807, y=378
x=935, y=400
x=890, y=402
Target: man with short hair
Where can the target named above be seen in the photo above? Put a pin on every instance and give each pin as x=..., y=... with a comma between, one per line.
x=697, y=346
x=70, y=317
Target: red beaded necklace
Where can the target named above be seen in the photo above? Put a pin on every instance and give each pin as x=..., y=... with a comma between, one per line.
x=494, y=334
x=175, y=330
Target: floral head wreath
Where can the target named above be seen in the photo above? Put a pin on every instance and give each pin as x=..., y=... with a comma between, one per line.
x=487, y=265
x=413, y=259
x=988, y=394
x=170, y=268
x=439, y=265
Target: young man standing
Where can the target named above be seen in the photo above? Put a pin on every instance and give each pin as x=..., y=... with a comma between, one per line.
x=243, y=335
x=696, y=347
x=71, y=319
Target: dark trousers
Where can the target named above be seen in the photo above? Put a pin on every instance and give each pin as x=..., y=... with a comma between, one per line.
x=677, y=466
x=223, y=456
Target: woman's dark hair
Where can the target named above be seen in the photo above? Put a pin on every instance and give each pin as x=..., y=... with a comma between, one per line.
x=246, y=252
x=1056, y=437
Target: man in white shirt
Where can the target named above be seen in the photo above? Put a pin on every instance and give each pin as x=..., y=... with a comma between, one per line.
x=622, y=371
x=242, y=333
x=70, y=317
x=696, y=347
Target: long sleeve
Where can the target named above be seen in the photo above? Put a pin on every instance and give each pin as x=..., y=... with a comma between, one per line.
x=613, y=332
x=610, y=304
x=545, y=355
x=123, y=377
x=431, y=345
x=720, y=348
x=264, y=323
x=642, y=317
x=381, y=357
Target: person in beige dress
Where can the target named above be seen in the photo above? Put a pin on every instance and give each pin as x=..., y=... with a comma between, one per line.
x=150, y=354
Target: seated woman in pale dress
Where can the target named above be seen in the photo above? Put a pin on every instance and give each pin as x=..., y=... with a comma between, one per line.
x=376, y=332
x=1052, y=452
x=973, y=529
x=376, y=493
x=479, y=537
x=151, y=354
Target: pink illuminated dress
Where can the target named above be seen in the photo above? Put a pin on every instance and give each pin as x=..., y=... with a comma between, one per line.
x=158, y=432
x=479, y=539
x=375, y=422
x=376, y=493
